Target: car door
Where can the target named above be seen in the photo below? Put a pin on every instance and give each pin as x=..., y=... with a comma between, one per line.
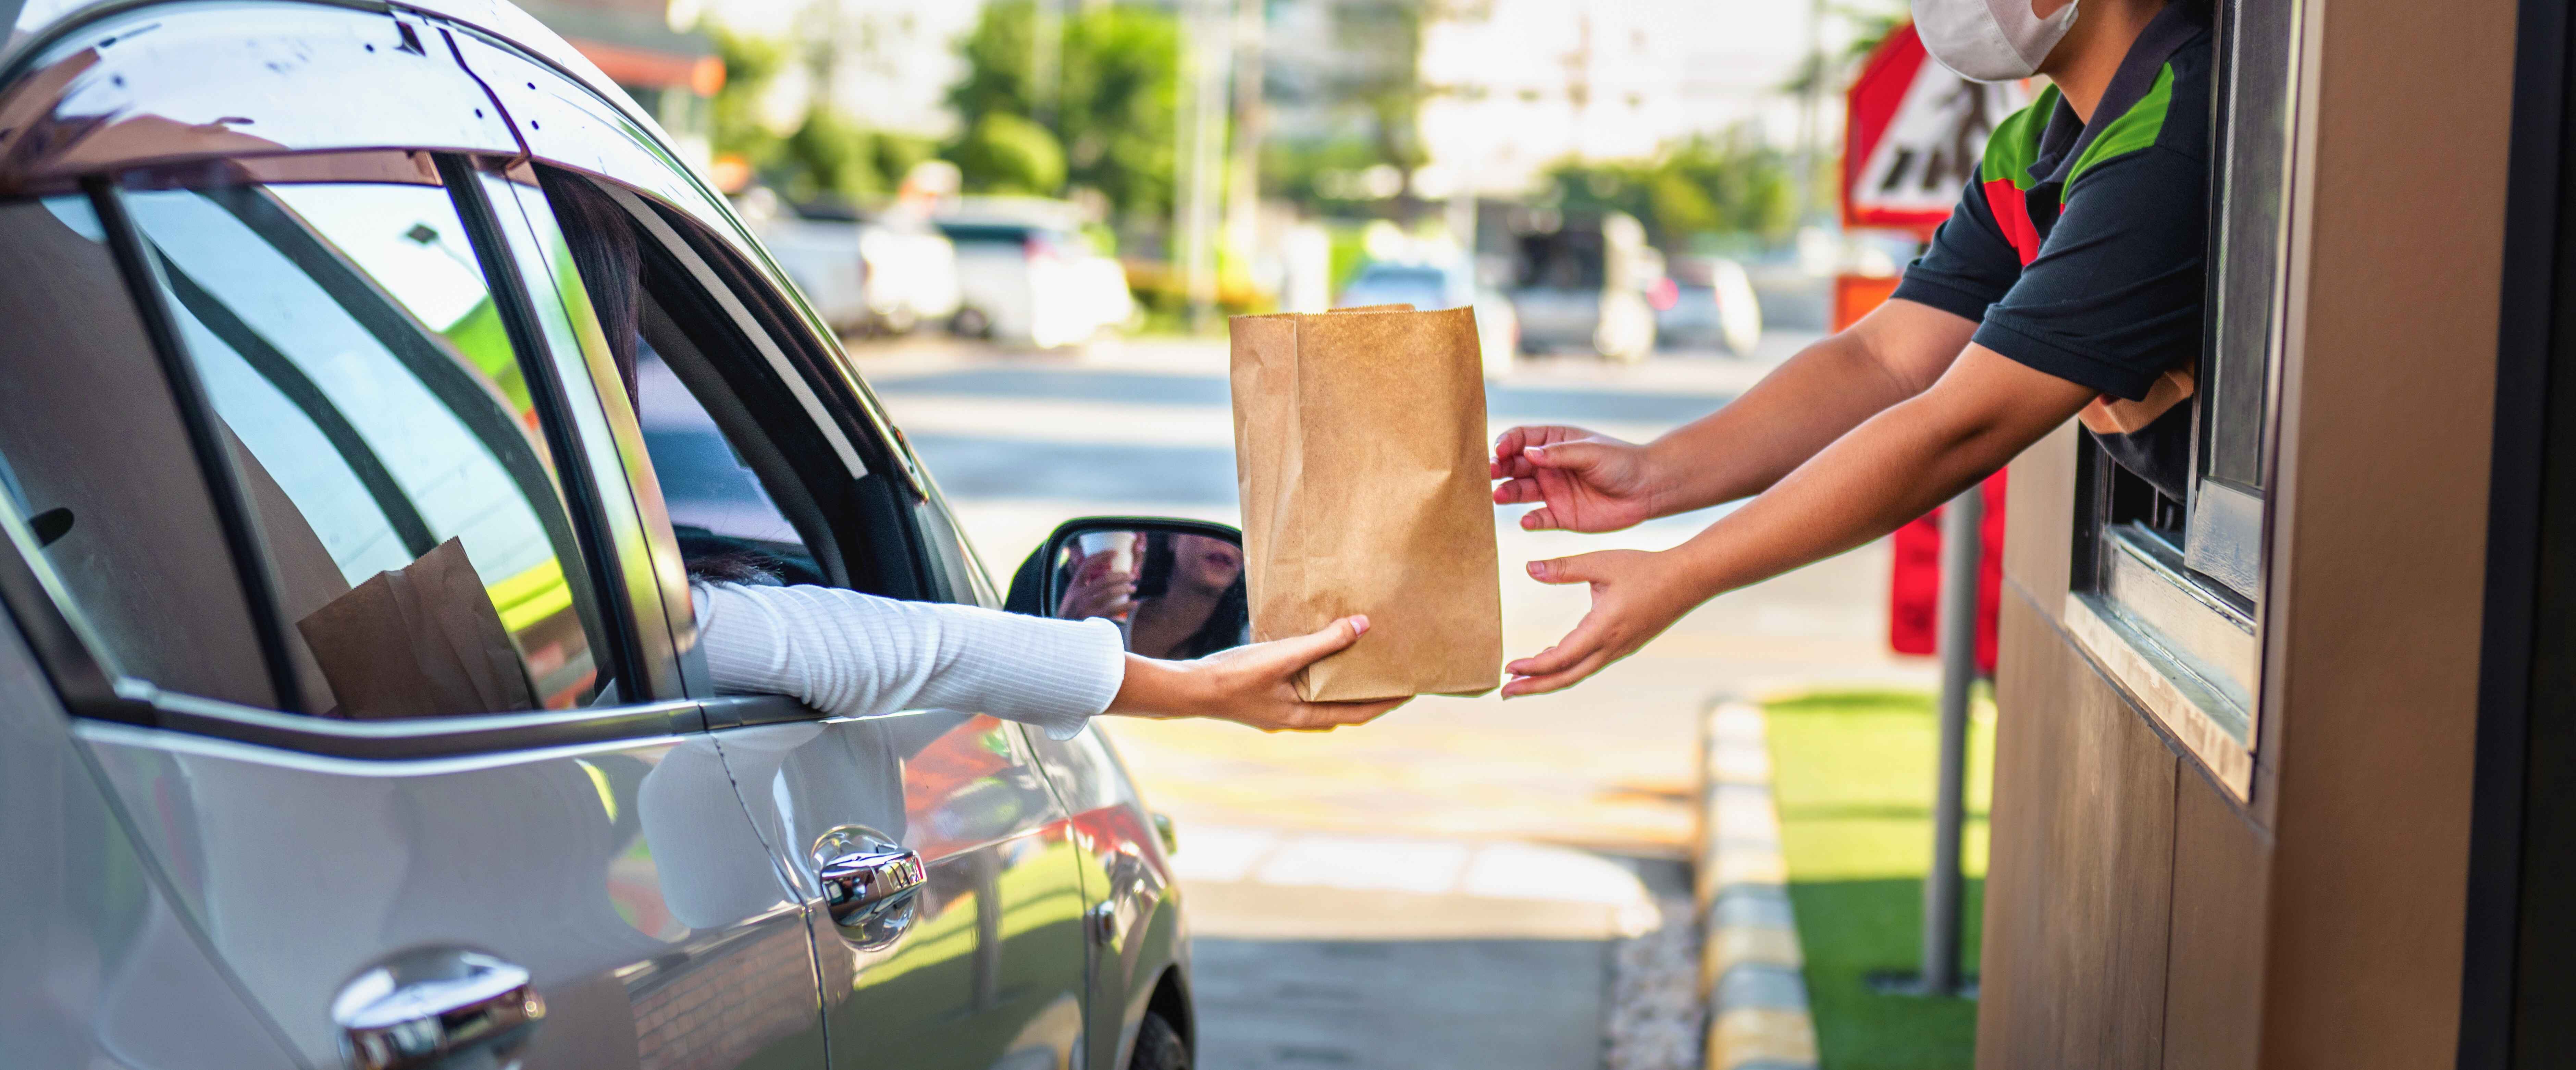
x=104, y=971
x=237, y=409
x=983, y=962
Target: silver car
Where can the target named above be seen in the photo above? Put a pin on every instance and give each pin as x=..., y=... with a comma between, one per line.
x=373, y=382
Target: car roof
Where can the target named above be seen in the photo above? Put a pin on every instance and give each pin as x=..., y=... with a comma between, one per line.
x=45, y=29
x=29, y=26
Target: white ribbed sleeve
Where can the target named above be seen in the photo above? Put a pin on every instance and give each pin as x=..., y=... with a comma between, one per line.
x=852, y=654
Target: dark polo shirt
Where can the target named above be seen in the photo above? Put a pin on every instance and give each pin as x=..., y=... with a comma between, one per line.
x=2081, y=250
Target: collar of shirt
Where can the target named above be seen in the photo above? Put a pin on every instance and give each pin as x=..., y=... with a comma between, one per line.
x=2066, y=137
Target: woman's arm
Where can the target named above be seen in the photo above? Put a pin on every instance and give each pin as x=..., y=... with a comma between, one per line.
x=852, y=654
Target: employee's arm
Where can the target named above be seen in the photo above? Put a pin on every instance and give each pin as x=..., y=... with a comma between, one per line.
x=1586, y=482
x=1893, y=467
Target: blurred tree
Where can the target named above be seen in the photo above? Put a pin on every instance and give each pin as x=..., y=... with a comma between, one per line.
x=1006, y=153
x=828, y=156
x=1868, y=25
x=752, y=65
x=1301, y=171
x=1728, y=184
x=1111, y=115
x=1381, y=81
x=895, y=155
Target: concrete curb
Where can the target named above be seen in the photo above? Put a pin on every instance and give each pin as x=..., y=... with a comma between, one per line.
x=1751, y=972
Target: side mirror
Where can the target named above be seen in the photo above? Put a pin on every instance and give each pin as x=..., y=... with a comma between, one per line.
x=1175, y=588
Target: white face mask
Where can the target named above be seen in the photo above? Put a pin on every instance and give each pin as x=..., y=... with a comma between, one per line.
x=1989, y=40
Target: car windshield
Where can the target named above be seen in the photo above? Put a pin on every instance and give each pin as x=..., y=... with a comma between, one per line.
x=1421, y=287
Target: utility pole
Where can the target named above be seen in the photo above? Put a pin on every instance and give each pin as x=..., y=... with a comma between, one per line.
x=1811, y=133
x=1243, y=168
x=1046, y=62
x=1962, y=559
x=1202, y=148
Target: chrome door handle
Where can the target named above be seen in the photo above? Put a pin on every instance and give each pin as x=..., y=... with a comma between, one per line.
x=870, y=883
x=425, y=1008
x=859, y=886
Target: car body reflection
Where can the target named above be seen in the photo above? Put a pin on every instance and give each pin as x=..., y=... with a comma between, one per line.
x=989, y=971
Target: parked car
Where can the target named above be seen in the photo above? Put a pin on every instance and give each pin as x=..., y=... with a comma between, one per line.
x=1030, y=278
x=910, y=268
x=350, y=712
x=1710, y=303
x=887, y=272
x=1583, y=285
x=1429, y=286
x=821, y=255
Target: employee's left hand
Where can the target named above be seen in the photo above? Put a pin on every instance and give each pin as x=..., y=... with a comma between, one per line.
x=1635, y=596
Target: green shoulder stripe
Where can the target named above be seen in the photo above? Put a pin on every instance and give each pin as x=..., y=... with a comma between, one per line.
x=2138, y=129
x=2014, y=145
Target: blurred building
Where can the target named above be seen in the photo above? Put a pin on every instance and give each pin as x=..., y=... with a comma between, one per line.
x=644, y=45
x=1514, y=85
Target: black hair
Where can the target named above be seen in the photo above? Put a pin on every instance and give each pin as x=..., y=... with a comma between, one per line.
x=601, y=238
x=1224, y=628
x=606, y=253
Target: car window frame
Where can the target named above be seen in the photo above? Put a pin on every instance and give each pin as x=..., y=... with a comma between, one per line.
x=70, y=653
x=893, y=504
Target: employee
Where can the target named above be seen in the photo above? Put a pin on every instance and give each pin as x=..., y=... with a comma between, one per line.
x=2068, y=281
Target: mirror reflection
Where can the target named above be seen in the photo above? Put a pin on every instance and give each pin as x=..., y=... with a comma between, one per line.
x=1173, y=594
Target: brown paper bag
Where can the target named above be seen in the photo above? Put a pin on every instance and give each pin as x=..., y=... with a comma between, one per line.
x=422, y=641
x=1359, y=444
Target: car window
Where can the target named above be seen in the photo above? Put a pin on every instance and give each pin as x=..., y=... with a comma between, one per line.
x=986, y=234
x=718, y=462
x=389, y=444
x=94, y=454
x=1423, y=288
x=719, y=509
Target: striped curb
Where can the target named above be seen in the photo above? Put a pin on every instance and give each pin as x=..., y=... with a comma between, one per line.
x=1750, y=967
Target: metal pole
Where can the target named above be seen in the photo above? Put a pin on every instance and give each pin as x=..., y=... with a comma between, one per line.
x=1962, y=554
x=1206, y=77
x=1046, y=62
x=1243, y=164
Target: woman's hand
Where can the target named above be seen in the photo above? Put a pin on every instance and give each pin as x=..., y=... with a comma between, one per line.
x=1096, y=590
x=1583, y=481
x=1635, y=596
x=1253, y=685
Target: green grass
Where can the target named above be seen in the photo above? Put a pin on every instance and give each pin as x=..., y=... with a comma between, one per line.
x=1853, y=773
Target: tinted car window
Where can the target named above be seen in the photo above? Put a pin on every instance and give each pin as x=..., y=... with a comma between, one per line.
x=706, y=483
x=1423, y=288
x=95, y=455
x=352, y=349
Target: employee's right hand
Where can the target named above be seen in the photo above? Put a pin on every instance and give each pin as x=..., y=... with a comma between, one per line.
x=1584, y=481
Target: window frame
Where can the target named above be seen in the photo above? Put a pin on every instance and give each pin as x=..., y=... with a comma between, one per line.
x=69, y=652
x=2180, y=626
x=876, y=517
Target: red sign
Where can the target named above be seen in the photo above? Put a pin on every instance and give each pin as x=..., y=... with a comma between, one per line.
x=1913, y=135
x=1914, y=585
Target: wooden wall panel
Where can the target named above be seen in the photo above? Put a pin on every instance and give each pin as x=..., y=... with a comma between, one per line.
x=2039, y=517
x=2214, y=979
x=2078, y=888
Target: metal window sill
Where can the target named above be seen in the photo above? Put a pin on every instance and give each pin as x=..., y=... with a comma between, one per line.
x=2214, y=726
